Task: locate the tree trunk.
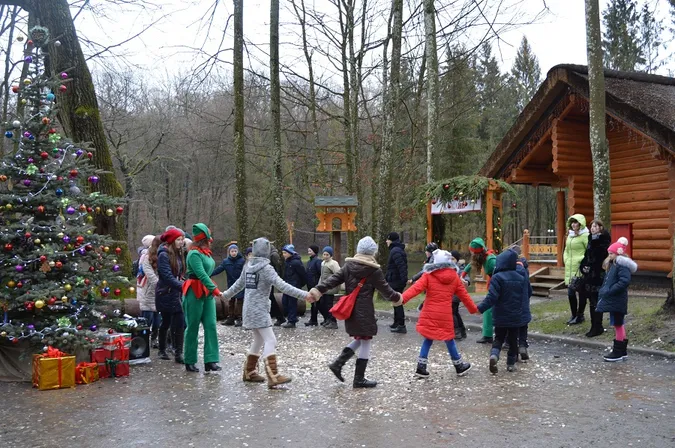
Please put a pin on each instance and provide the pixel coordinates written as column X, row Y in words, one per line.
column 432, row 82
column 383, row 217
column 240, row 197
column 598, row 137
column 279, row 224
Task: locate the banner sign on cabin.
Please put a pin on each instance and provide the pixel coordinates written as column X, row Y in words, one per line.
column 458, row 206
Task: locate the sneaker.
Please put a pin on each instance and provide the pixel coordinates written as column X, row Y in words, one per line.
column 331, row 325
column 462, row 368
column 400, row 329
column 422, row 371
column 522, row 351
column 493, row 364
column 511, row 368
column 279, row 322
column 288, row 325
column 311, row 323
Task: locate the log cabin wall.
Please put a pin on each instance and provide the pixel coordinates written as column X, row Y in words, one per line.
column 572, row 160
column 643, row 195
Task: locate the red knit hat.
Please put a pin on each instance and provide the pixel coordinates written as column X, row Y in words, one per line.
column 619, row 248
column 171, row 235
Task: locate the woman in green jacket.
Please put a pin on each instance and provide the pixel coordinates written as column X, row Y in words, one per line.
column 575, row 249
column 199, row 304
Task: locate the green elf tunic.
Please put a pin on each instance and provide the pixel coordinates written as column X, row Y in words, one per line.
column 199, row 304
column 478, row 246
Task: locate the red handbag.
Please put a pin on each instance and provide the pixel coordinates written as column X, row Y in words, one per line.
column 344, row 307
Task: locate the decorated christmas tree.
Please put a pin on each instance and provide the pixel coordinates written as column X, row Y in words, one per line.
column 54, row 267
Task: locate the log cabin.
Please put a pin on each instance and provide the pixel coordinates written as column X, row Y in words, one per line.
column 549, row 145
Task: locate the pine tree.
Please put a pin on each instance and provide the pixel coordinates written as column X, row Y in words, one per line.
column 622, row 35
column 526, row 74
column 53, row 267
column 650, row 39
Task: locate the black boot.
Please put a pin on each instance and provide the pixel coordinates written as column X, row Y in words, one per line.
column 360, row 380
column 337, row 365
column 153, row 338
column 422, row 371
column 618, row 352
column 191, row 368
column 460, row 334
column 596, row 324
column 485, row 340
column 211, row 367
column 162, row 343
column 178, row 347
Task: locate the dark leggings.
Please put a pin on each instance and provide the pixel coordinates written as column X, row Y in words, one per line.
column 572, row 297
column 459, row 323
column 175, row 321
column 325, row 304
column 511, row 336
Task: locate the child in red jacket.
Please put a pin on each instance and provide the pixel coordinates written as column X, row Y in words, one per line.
column 441, row 283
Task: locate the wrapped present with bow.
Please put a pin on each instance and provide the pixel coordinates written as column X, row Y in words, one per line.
column 86, row 373
column 53, row 369
column 113, row 358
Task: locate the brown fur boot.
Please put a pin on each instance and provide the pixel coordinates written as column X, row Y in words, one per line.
column 251, row 370
column 273, row 376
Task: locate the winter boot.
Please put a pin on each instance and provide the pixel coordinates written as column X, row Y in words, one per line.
column 617, row 353
column 624, row 349
column 401, row 329
column 212, row 367
column 494, row 359
column 178, row 348
column 522, row 351
column 274, row 378
column 331, row 325
column 511, row 363
column 191, row 368
column 511, row 368
column 422, row 371
column 231, row 313
column 460, row 334
column 485, row 340
column 250, row 374
column 360, row 380
column 162, row 344
column 163, row 355
column 238, row 308
column 279, row 322
column 596, row 324
column 461, row 367
column 337, row 365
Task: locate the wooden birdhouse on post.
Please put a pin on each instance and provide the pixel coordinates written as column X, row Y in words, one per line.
column 336, row 214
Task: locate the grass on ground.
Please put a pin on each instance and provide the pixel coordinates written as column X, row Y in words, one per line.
column 646, row 325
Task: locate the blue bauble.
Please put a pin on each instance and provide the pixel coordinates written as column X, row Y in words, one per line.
column 50, row 97
column 9, row 134
column 106, row 289
column 59, row 192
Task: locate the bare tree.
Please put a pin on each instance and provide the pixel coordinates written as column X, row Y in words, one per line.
column 240, row 152
column 432, row 81
column 275, row 109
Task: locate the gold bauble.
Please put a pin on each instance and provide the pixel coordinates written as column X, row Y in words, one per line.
column 114, row 260
column 11, row 284
column 64, row 299
column 132, row 289
column 39, row 304
column 37, row 241
column 109, row 212
column 3, row 334
column 104, row 283
column 89, row 232
column 8, row 206
column 98, row 209
column 106, row 249
column 60, row 235
column 68, row 287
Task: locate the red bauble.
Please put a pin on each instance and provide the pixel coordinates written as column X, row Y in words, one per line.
column 29, row 43
column 62, row 88
column 8, row 247
column 90, row 210
column 434, row 201
column 43, row 258
column 19, row 285
column 110, row 331
column 52, row 301
column 27, row 235
column 73, row 173
column 79, row 327
column 118, row 292
column 79, row 239
column 83, row 208
column 119, row 210
column 513, row 205
column 105, row 294
column 29, row 307
column 90, row 155
column 46, row 121
column 87, row 281
column 44, row 155
column 59, row 178
column 52, row 131
column 118, row 250
column 15, row 341
column 41, row 209
column 15, row 89
column 58, row 265
column 446, row 187
column 88, row 247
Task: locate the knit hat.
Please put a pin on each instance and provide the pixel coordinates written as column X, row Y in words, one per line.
column 201, row 231
column 441, row 256
column 314, row 249
column 393, row 236
column 261, row 247
column 328, row 249
column 171, row 235
column 247, row 251
column 431, row 247
column 619, row 248
column 477, row 246
column 289, row 248
column 147, row 240
column 456, row 255
column 367, row 246
column 232, row 246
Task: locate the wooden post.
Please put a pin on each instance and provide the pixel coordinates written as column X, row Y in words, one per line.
column 489, row 236
column 560, row 225
column 430, row 223
column 525, row 248
column 337, row 246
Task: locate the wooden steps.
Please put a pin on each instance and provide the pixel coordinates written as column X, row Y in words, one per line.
column 546, row 279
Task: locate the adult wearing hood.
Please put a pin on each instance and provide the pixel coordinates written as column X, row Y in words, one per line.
column 168, row 292
column 313, row 269
column 295, row 275
column 362, row 324
column 508, row 297
column 256, row 280
column 575, row 249
column 397, row 277
column 485, row 259
column 199, row 304
column 232, row 265
column 593, row 274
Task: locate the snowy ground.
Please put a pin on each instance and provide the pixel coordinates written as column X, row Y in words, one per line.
column 564, row 397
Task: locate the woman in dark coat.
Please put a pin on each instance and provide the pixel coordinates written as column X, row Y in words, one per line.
column 169, row 291
column 362, row 324
column 593, row 274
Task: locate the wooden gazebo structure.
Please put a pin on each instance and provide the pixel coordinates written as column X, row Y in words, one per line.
column 549, row 145
column 336, row 214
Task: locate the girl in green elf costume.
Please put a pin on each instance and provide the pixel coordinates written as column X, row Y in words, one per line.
column 199, row 305
column 483, row 258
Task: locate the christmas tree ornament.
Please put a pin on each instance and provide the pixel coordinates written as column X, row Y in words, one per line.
column 31, row 169
column 118, row 292
column 83, row 208
column 19, row 268
column 132, row 290
column 27, row 134
column 68, row 287
column 62, row 88
column 19, row 285
column 90, row 155
column 116, row 268
column 79, row 239
column 11, row 284
column 52, row 300
column 64, row 75
column 57, row 43
column 73, row 173
column 15, row 89
column 109, row 212
column 3, row 334
column 64, row 299
column 98, row 209
column 111, row 331
column 93, row 179
column 9, row 247
column 89, row 247
column 41, row 209
column 43, row 258
column 9, row 206
column 66, row 239
column 118, row 250
column 29, row 307
column 104, row 283
column 46, row 121
column 93, row 328
column 27, row 82
column 31, row 327
column 119, row 210
column 51, row 97
column 26, row 182
column 44, row 155
column 16, row 124
column 24, row 101
column 19, row 39
column 9, row 134
column 87, row 281
column 38, row 241
column 70, row 210
column 28, row 59
column 74, row 190
column 3, row 178
column 82, row 251
column 92, row 269
column 58, row 265
column 27, row 235
column 39, row 304
column 79, row 327
column 59, row 192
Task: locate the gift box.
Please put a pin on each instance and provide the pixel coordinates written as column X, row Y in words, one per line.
column 53, row 370
column 116, row 340
column 111, row 363
column 86, row 373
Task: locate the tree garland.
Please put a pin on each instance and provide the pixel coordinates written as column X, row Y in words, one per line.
column 458, row 188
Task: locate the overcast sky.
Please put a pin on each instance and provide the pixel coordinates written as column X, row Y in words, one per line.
column 558, row 37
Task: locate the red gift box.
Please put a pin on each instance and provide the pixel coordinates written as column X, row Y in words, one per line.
column 111, row 363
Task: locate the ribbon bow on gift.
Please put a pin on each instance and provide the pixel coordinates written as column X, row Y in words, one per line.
column 53, row 353
column 112, row 362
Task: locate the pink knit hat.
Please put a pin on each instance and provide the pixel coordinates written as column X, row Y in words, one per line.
column 619, row 247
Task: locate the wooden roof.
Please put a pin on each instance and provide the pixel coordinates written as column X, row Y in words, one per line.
column 642, row 101
column 335, row 201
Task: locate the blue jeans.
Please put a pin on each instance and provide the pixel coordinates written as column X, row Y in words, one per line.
column 290, row 308
column 153, row 319
column 451, row 345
